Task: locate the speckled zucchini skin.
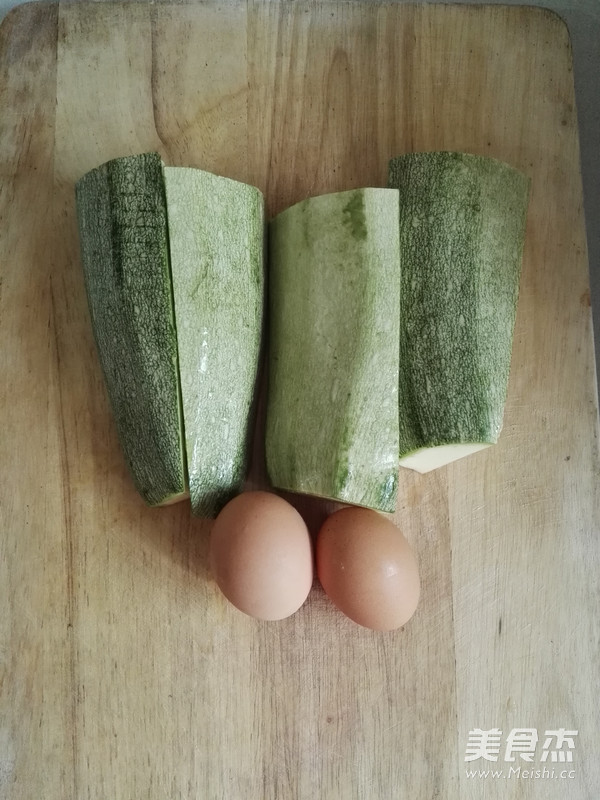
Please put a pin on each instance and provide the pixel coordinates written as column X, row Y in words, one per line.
column 332, row 411
column 216, row 234
column 122, row 219
column 462, row 225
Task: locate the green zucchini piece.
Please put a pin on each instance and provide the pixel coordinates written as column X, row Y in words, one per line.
column 332, row 408
column 462, row 227
column 123, row 236
column 216, row 233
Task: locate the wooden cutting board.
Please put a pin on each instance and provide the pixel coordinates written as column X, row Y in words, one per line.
column 123, row 672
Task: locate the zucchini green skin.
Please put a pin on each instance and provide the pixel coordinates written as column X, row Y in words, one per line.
column 216, row 233
column 332, row 408
column 462, row 226
column 122, row 221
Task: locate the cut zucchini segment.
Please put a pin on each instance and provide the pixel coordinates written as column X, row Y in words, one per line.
column 216, row 232
column 462, row 226
column 332, row 411
column 122, row 220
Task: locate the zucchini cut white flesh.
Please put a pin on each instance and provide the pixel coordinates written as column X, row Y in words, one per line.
column 429, row 458
column 462, row 227
column 332, row 409
column 216, row 232
column 123, row 236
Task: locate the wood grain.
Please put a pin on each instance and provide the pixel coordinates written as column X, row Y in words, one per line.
column 123, row 672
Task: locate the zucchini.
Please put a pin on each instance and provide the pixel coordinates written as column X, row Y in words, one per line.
column 216, row 232
column 122, row 221
column 332, row 405
column 462, row 227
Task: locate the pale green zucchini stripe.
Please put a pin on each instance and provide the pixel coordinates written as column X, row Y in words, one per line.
column 216, row 231
column 332, row 411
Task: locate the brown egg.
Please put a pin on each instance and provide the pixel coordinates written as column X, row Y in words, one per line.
column 367, row 568
column 261, row 555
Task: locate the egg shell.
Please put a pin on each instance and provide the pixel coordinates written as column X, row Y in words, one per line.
column 261, row 555
column 367, row 568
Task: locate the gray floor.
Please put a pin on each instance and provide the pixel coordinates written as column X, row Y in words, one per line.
column 583, row 20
